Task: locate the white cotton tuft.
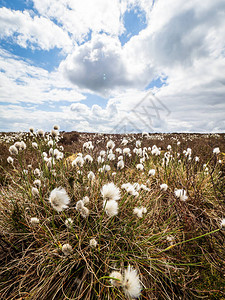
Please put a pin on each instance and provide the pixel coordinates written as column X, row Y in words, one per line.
column 10, row 160
column 222, row 224
column 91, row 176
column 84, row 212
column 69, row 223
column 79, row 204
column 216, row 150
column 78, row 162
column 110, row 192
column 93, row 243
column 88, row 158
column 163, row 187
column 131, row 283
column 35, row 145
column 126, row 151
column 151, row 172
column 117, row 278
column 37, row 172
column 35, row 192
column 59, row 199
column 111, row 207
column 37, row 183
column 110, row 144
column 139, row 211
column 34, row 221
column 13, row 150
column 182, row 194
column 140, row 167
column 120, row 164
column 67, row 249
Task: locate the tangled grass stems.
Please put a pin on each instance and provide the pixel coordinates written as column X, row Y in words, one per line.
column 44, row 257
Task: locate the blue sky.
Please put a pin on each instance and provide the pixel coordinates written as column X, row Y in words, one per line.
column 87, row 65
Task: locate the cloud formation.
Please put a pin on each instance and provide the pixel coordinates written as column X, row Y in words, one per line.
column 21, row 82
column 183, row 42
column 32, row 31
column 101, row 65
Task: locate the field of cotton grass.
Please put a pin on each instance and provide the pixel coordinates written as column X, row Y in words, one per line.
column 111, row 217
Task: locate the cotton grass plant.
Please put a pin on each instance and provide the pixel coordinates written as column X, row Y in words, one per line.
column 88, row 229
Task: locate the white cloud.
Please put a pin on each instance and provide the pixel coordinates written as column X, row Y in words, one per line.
column 183, row 41
column 101, row 65
column 35, row 32
column 22, row 82
column 80, row 16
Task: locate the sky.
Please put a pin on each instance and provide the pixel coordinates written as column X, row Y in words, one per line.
column 113, row 66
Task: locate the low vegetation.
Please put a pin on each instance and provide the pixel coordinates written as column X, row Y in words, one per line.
column 92, row 216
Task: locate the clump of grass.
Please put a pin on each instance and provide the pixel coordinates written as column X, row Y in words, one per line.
column 66, row 234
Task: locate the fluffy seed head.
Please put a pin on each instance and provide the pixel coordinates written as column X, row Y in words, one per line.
column 155, row 151
column 23, row 146
column 91, row 176
column 34, row 221
column 163, row 186
column 139, row 211
column 93, row 243
column 111, row 156
column 34, row 145
column 102, row 153
column 131, row 283
column 124, row 142
column 68, row 222
column 120, row 164
column 37, row 172
column 13, row 150
column 182, row 194
column 40, row 132
column 111, row 207
column 110, row 144
column 50, row 143
column 85, row 200
column 106, row 168
column 88, row 158
column 140, row 167
column 118, row 278
column 10, row 160
column 222, row 224
column 151, row 172
column 54, row 133
column 56, row 127
column 35, row 192
column 84, row 212
column 138, row 144
column 110, row 192
column 119, row 150
column 78, row 162
column 37, row 183
column 67, row 249
column 216, row 150
column 100, row 160
column 59, row 199
column 126, row 151
column 130, row 189
column 79, row 205
column 17, row 145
